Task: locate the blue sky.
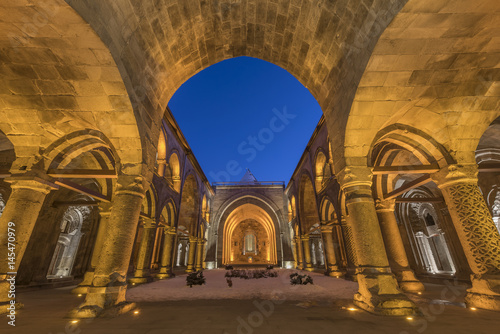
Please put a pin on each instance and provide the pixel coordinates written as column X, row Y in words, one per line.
column 246, row 113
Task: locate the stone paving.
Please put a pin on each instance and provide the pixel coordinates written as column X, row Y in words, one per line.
column 45, row 311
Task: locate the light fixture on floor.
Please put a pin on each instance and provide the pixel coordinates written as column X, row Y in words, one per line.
column 351, row 309
column 79, row 295
column 419, row 293
column 472, row 308
column 409, row 318
column 74, row 321
column 136, row 312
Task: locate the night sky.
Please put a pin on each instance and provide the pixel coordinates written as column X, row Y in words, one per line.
column 246, row 113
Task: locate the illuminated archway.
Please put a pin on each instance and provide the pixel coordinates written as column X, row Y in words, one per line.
column 249, row 218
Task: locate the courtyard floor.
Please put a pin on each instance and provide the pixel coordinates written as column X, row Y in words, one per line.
column 322, row 309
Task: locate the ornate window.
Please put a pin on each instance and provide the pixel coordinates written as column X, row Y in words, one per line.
column 250, row 243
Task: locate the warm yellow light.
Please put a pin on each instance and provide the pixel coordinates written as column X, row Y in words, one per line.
column 409, row 318
column 473, row 308
column 74, row 321
column 351, row 309
column 419, row 293
column 79, row 295
column 136, row 312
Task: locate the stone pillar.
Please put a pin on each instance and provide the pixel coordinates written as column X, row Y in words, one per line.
column 395, row 248
column 199, row 254
column 378, row 289
column 307, row 252
column 141, row 274
column 162, row 166
column 477, row 233
column 203, row 252
column 192, row 252
column 300, row 256
column 166, row 257
column 295, row 252
column 104, row 213
column 332, row 268
column 110, row 285
column 22, row 211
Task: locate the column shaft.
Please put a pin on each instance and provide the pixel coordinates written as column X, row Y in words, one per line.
column 378, row 288
column 141, row 274
column 18, row 218
column 166, row 257
column 307, row 252
column 477, row 233
column 105, row 211
column 199, row 254
column 192, row 254
column 109, row 285
column 331, row 260
column 395, row 248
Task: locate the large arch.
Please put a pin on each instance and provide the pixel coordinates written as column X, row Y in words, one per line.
column 435, row 63
column 234, row 211
column 56, row 81
column 308, row 209
column 159, row 46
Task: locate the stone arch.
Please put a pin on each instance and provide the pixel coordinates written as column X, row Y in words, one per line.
column 161, row 155
column 149, row 201
column 317, row 42
column 7, row 152
column 167, row 216
column 189, row 207
column 402, row 145
column 424, row 68
column 327, row 211
column 488, row 154
column 55, row 83
column 262, row 210
column 175, row 170
column 308, row 209
column 321, row 171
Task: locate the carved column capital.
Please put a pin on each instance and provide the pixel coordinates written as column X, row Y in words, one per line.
column 170, row 230
column 304, row 237
column 385, row 205
column 453, row 174
column 327, row 228
column 355, row 176
column 131, row 184
column 148, row 222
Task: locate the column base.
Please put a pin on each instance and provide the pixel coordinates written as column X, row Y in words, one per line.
column 198, row 268
column 484, row 294
column 378, row 294
column 190, row 269
column 164, row 275
column 408, row 282
column 139, row 280
column 336, row 274
column 309, row 268
column 103, row 301
column 93, row 311
column 7, row 307
column 81, row 290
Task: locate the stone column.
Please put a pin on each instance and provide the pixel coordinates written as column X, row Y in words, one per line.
column 141, row 274
column 192, row 252
column 109, row 285
column 300, row 256
column 166, row 257
column 395, row 248
column 162, row 166
column 104, row 213
column 21, row 211
column 378, row 289
column 203, row 252
column 307, row 252
column 199, row 254
column 477, row 233
column 331, row 260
